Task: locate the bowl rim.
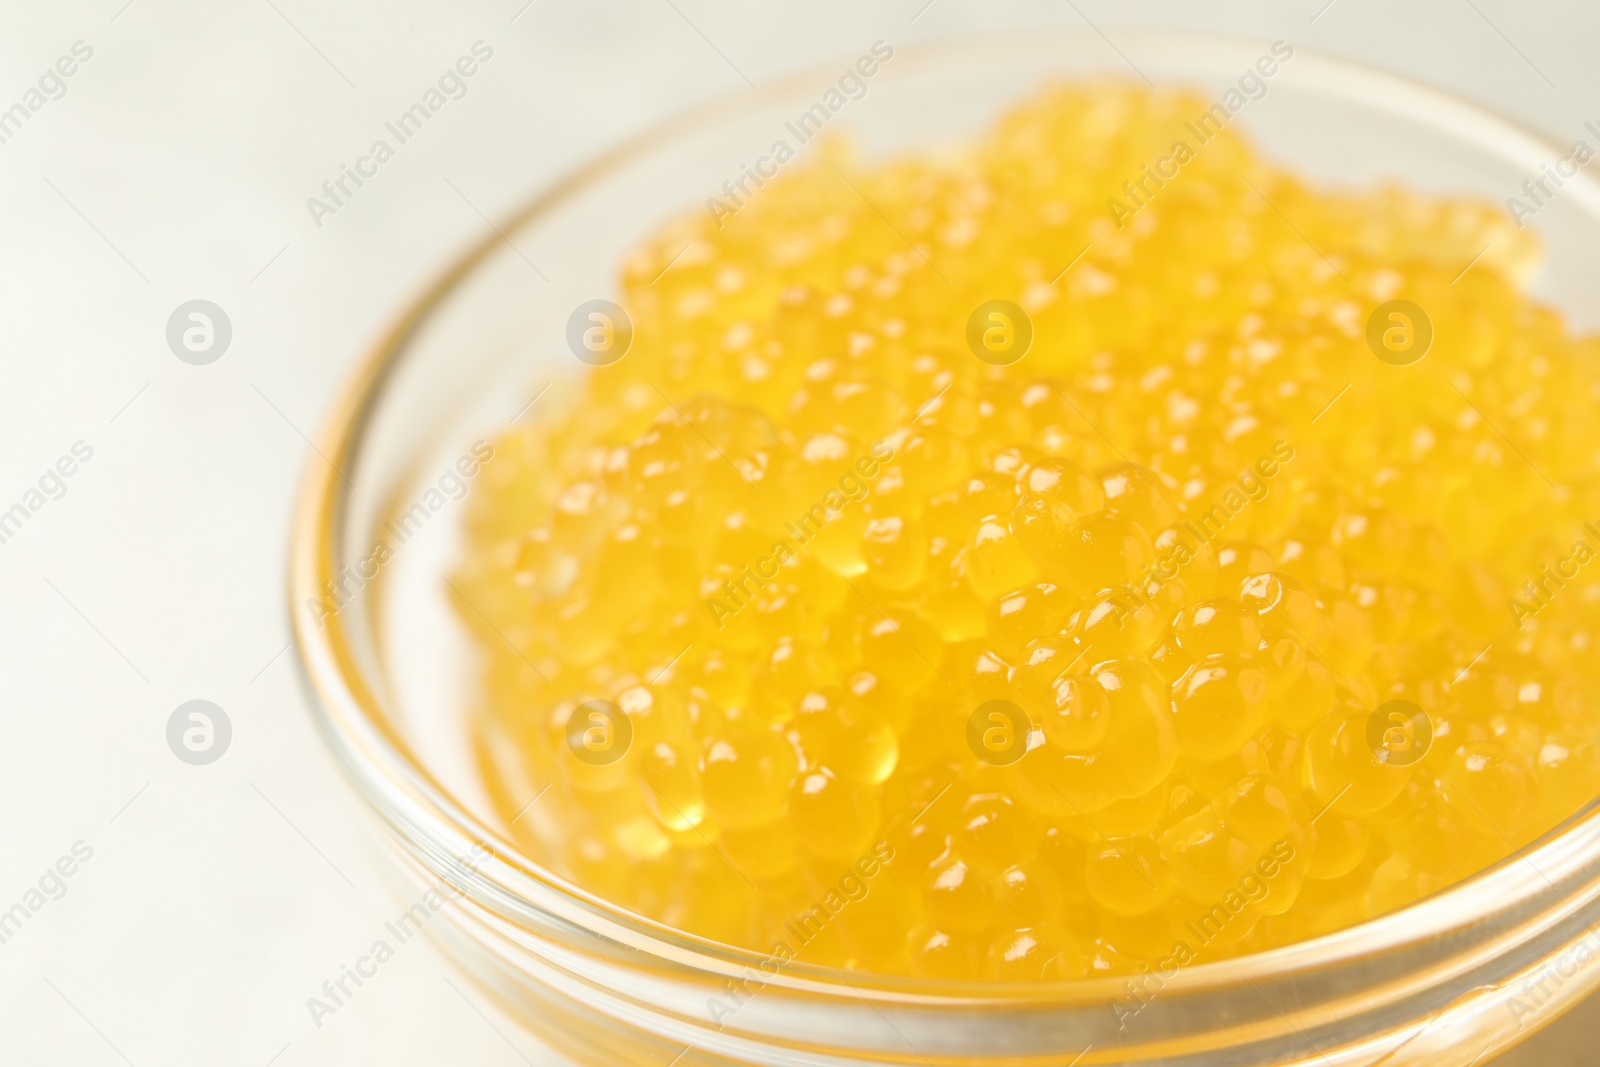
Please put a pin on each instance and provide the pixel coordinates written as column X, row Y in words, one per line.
column 378, row 761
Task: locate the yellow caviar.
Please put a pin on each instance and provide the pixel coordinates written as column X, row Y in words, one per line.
column 1197, row 630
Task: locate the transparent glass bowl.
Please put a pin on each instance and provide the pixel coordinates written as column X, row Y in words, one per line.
column 392, row 680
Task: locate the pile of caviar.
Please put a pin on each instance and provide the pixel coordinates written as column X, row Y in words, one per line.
column 1083, row 664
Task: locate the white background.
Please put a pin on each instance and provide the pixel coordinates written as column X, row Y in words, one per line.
column 177, row 166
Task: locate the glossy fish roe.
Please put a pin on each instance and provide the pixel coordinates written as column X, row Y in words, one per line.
column 1196, row 630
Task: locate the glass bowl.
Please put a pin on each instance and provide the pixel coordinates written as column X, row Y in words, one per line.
column 1445, row 982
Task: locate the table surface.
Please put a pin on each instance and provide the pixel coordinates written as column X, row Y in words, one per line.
column 175, row 164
